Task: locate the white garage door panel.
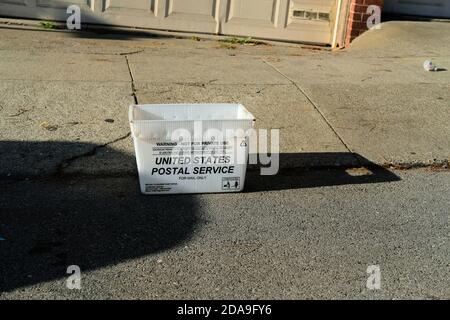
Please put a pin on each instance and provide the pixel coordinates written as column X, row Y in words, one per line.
column 127, row 5
column 246, row 15
column 296, row 20
column 263, row 10
column 18, row 2
column 432, row 8
column 312, row 18
column 63, row 4
column 279, row 19
column 127, row 10
column 195, row 7
column 192, row 15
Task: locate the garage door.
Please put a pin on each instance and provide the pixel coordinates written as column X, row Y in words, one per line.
column 309, row 20
column 293, row 20
column 431, row 8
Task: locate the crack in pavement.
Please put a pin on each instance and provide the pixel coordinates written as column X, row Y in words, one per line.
column 316, row 107
column 438, row 165
column 133, row 87
column 100, row 53
column 20, row 112
column 93, row 151
column 67, row 162
column 131, row 52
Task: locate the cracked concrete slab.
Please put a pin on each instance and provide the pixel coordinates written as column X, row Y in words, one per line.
column 302, row 129
column 183, row 67
column 387, row 56
column 45, row 123
column 51, row 66
column 388, row 111
column 342, row 67
column 396, row 125
column 304, row 143
column 384, row 106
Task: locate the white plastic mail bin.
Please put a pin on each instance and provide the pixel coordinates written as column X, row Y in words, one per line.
column 191, row 148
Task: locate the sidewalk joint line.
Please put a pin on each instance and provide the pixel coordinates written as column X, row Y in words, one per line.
column 312, row 102
column 130, row 53
column 133, row 87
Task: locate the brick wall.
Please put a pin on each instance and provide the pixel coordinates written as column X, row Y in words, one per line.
column 357, row 22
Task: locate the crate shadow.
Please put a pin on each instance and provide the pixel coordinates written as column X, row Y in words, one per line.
column 50, row 221
column 330, row 169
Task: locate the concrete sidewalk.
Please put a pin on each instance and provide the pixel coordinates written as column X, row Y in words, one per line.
column 64, row 96
column 73, row 197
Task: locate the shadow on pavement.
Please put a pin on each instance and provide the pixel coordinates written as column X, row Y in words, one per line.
column 95, row 221
column 92, row 26
column 100, row 32
column 330, row 170
column 49, row 224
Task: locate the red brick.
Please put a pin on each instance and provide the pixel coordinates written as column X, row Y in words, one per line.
column 358, row 8
column 361, row 25
column 357, row 19
column 355, row 16
column 354, row 32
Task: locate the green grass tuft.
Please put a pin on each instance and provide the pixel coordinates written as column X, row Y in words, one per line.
column 47, row 25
